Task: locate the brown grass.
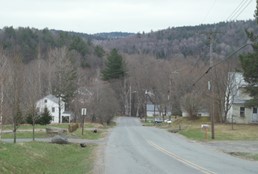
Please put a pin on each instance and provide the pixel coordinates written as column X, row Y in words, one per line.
column 192, row 129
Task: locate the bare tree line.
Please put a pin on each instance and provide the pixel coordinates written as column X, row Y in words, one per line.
column 22, row 85
column 170, row 82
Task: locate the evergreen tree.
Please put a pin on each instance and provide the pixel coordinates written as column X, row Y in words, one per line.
column 249, row 64
column 45, row 118
column 114, row 66
column 42, row 119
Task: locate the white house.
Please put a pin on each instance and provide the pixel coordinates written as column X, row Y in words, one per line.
column 235, row 101
column 51, row 103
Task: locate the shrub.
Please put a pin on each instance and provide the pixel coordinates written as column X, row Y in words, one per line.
column 73, row 127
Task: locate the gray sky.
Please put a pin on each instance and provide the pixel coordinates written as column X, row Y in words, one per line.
column 93, row 16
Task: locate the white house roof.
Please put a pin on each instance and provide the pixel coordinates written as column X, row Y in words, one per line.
column 52, row 98
column 238, row 79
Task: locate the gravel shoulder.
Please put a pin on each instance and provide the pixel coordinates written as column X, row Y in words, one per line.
column 99, row 163
column 235, row 146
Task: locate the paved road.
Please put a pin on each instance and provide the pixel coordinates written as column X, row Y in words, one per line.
column 134, row 149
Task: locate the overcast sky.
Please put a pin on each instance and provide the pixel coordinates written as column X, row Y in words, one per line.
column 93, row 16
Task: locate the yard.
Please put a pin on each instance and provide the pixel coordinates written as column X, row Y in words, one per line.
column 25, row 131
column 192, row 129
column 42, row 157
column 37, row 157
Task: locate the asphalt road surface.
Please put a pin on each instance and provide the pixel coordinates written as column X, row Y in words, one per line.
column 134, row 149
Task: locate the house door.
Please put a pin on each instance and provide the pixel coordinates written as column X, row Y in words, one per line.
column 255, row 115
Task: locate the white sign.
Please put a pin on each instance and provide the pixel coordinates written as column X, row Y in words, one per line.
column 84, row 111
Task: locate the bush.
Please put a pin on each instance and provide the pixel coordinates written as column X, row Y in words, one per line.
column 42, row 119
column 73, row 127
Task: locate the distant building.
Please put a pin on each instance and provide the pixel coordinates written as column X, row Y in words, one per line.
column 237, row 97
column 152, row 110
column 155, row 110
column 201, row 113
column 51, row 102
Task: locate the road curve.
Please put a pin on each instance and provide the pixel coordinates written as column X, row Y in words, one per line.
column 134, row 149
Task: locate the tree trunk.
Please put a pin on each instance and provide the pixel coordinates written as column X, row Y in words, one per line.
column 33, row 127
column 1, row 109
column 14, row 133
column 83, row 124
column 59, row 109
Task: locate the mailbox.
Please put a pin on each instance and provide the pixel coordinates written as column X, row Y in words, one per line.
column 205, row 126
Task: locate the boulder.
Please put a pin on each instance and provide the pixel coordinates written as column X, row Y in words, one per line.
column 83, row 144
column 59, row 140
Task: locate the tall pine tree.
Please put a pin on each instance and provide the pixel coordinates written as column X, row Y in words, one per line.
column 114, row 67
column 249, row 64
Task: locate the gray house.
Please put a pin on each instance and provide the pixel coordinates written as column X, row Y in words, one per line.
column 236, row 98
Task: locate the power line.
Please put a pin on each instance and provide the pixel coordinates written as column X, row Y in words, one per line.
column 236, row 9
column 209, row 69
column 239, row 10
column 208, row 12
column 234, row 15
column 243, row 9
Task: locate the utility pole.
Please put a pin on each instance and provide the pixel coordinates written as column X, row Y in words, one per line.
column 211, row 86
column 130, row 98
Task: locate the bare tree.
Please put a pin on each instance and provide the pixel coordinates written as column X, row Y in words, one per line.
column 3, row 77
column 15, row 93
column 231, row 92
column 33, row 91
column 103, row 105
column 65, row 76
column 192, row 103
column 223, row 88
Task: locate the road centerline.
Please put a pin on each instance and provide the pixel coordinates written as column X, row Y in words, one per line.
column 180, row 159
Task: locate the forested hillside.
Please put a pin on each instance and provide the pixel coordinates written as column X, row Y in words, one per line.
column 31, row 43
column 188, row 41
column 36, row 62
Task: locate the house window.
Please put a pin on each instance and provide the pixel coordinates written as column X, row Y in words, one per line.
column 242, row 111
column 53, row 109
column 255, row 110
column 37, row 109
column 45, row 100
column 53, row 118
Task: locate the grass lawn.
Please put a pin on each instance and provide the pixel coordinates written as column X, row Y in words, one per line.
column 61, row 125
column 37, row 157
column 88, row 134
column 26, row 135
column 192, row 129
column 47, row 158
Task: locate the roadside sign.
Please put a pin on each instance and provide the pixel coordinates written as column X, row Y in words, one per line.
column 84, row 111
